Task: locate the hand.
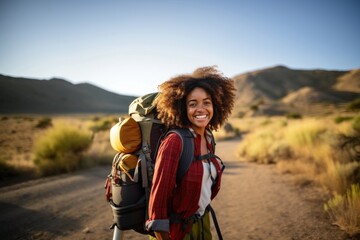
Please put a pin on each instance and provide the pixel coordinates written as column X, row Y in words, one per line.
column 162, row 235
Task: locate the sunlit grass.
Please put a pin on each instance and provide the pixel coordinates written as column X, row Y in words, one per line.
column 312, row 150
column 344, row 210
column 60, row 149
column 306, row 146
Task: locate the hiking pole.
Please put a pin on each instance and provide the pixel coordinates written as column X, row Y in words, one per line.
column 118, row 234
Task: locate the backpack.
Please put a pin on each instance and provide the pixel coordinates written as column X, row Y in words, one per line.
column 136, row 139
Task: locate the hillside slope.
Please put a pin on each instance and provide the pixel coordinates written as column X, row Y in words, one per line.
column 275, row 90
column 280, row 89
column 22, row 95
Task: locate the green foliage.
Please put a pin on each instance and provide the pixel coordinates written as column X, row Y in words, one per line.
column 240, row 114
column 341, row 119
column 60, row 150
column 44, row 123
column 344, row 210
column 102, row 124
column 254, row 107
column 354, row 105
column 351, row 142
column 356, row 123
column 292, row 115
column 228, row 128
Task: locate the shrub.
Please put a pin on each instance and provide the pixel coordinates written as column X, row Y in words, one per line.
column 254, row 107
column 60, row 150
column 351, row 142
column 44, row 123
column 292, row 115
column 344, row 210
column 341, row 119
column 102, row 125
column 305, row 133
column 356, row 123
column 228, row 128
column 306, row 147
column 6, row 170
column 256, row 146
column 354, row 105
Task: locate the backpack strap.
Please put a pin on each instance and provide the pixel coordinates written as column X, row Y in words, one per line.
column 186, row 158
column 187, row 151
column 217, row 227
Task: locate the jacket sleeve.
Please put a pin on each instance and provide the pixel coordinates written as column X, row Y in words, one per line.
column 164, row 182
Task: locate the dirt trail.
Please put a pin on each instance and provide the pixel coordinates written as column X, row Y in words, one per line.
column 254, row 203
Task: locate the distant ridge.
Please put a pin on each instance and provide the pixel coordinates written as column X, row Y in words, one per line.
column 271, row 91
column 278, row 90
column 56, row 96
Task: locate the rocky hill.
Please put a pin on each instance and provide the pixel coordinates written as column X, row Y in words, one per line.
column 280, row 90
column 57, row 96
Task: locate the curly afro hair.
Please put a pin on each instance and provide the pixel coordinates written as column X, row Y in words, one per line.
column 171, row 103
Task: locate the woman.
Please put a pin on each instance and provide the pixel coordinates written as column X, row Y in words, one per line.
column 202, row 102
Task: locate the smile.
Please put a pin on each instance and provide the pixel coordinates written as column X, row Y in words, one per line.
column 201, row 116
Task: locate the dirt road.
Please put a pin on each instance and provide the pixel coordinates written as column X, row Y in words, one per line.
column 255, row 202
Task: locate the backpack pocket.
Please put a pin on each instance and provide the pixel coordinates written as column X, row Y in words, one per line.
column 128, row 164
column 125, row 136
column 130, row 216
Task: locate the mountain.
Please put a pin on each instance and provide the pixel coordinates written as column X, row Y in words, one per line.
column 23, row 95
column 271, row 91
column 279, row 90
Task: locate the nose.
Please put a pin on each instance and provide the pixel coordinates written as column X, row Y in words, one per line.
column 201, row 107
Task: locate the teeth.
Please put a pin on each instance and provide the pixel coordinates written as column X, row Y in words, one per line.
column 201, row 117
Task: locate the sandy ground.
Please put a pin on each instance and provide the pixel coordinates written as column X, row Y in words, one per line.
column 255, row 202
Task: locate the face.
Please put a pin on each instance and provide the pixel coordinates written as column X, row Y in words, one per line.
column 199, row 109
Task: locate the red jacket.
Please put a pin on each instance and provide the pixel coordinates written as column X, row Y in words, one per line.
column 166, row 197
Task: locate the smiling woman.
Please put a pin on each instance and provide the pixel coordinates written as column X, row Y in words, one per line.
column 199, row 109
column 197, row 102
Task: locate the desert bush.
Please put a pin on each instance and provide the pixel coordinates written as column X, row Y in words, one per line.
column 254, row 107
column 312, row 149
column 309, row 147
column 354, row 105
column 292, row 115
column 256, row 146
column 305, row 133
column 344, row 210
column 350, row 142
column 228, row 128
column 338, row 176
column 44, row 123
column 6, row 170
column 356, row 123
column 60, row 149
column 103, row 124
column 341, row 119
column 226, row 132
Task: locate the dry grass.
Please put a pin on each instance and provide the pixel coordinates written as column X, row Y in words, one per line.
column 60, row 149
column 309, row 148
column 227, row 131
column 19, row 133
column 344, row 210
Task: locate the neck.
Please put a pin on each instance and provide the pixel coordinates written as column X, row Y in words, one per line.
column 201, row 131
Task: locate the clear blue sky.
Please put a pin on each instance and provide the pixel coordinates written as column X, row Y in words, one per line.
column 131, row 46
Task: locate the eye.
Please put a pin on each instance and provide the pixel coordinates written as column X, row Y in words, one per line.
column 191, row 104
column 207, row 103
